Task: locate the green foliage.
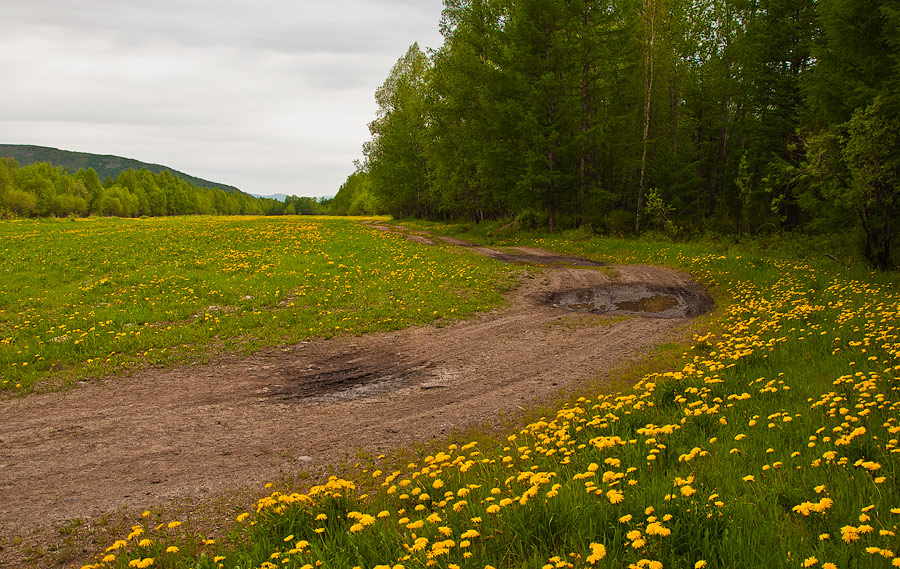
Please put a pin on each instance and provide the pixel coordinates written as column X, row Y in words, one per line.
column 355, row 197
column 44, row 190
column 396, row 168
column 576, row 108
column 872, row 154
column 294, row 205
column 853, row 145
column 659, row 213
column 531, row 219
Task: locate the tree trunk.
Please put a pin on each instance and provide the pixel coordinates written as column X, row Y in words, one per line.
column 648, row 91
column 585, row 124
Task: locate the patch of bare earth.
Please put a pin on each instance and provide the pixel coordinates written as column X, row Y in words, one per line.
column 166, row 434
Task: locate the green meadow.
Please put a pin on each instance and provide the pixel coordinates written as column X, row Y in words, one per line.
column 770, row 440
column 88, row 298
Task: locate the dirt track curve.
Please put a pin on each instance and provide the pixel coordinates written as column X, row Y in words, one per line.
column 164, row 434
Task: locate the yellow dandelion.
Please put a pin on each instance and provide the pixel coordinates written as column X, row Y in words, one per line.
column 598, row 552
column 657, row 528
column 614, row 496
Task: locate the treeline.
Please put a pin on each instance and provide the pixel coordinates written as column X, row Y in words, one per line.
column 355, row 197
column 742, row 116
column 43, row 190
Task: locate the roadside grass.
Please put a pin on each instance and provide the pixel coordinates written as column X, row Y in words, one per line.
column 92, row 297
column 772, row 440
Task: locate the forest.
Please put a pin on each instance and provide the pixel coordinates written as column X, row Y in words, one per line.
column 695, row 117
column 42, row 190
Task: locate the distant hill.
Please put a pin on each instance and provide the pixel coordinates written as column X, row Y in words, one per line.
column 279, row 197
column 104, row 164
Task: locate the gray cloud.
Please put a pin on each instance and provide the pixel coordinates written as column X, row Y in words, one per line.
column 271, row 96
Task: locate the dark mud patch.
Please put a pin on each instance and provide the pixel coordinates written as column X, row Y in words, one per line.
column 647, row 300
column 349, row 376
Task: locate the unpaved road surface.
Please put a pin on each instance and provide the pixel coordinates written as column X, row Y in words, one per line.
column 165, row 434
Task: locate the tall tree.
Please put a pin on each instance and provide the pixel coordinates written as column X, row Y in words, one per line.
column 776, row 56
column 650, row 16
column 854, row 94
column 540, row 81
column 469, row 168
column 395, row 157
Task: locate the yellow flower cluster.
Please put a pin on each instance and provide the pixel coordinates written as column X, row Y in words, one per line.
column 778, row 429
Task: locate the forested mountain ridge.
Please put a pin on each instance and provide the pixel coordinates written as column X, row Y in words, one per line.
column 43, row 189
column 105, row 165
column 688, row 116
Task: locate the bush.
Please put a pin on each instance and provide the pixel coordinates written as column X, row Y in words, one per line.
column 582, row 233
column 20, row 202
column 531, row 219
column 619, row 222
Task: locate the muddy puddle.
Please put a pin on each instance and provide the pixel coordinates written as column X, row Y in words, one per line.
column 365, row 373
column 646, row 300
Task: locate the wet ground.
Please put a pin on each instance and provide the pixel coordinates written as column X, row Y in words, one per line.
column 648, row 300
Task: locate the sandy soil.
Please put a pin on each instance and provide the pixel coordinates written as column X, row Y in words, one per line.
column 165, row 434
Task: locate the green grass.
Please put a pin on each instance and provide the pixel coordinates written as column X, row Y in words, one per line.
column 771, row 441
column 82, row 299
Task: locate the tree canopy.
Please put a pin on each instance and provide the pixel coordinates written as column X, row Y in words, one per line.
column 737, row 117
column 42, row 189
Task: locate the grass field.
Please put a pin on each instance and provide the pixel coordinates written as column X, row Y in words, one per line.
column 773, row 442
column 86, row 298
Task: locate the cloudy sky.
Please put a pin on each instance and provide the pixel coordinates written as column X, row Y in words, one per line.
column 271, row 96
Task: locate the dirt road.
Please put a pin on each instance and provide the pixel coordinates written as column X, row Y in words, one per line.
column 164, row 434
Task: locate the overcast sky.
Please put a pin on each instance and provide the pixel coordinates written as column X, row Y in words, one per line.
column 271, row 96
